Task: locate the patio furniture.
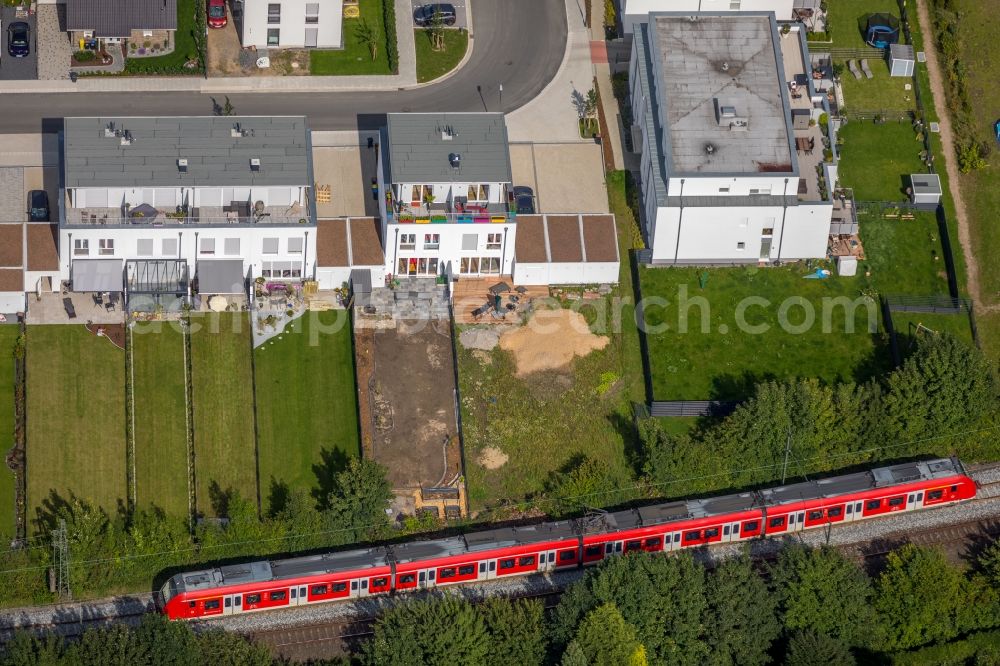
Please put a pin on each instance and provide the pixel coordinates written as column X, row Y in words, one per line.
column 68, row 306
column 866, row 69
column 114, row 298
column 109, row 306
column 499, row 288
column 853, row 68
column 144, row 212
column 480, row 311
column 98, row 300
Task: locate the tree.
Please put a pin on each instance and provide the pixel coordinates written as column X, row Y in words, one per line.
column 582, row 482
column 741, row 622
column 944, row 387
column 921, row 598
column 227, row 108
column 989, row 563
column 808, row 648
column 361, row 495
column 606, row 639
column 435, row 31
column 818, row 589
column 367, row 34
column 443, row 630
column 517, row 631
column 677, row 463
column 590, row 104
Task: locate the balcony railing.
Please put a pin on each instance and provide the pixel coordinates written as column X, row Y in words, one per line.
column 204, row 216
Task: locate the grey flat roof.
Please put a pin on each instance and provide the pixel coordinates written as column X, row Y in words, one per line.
column 901, row 52
column 419, row 154
column 220, row 276
column 97, row 275
column 707, row 62
column 95, row 157
column 118, row 18
column 926, row 183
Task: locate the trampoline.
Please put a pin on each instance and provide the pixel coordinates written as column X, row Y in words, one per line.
column 881, row 30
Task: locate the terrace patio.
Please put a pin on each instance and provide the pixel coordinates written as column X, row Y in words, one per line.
column 86, row 308
column 235, row 213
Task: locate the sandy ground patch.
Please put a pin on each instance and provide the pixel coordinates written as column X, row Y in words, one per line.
column 492, row 458
column 550, row 341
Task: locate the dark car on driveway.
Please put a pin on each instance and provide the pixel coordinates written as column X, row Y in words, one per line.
column 524, row 200
column 38, row 206
column 424, row 16
column 19, row 40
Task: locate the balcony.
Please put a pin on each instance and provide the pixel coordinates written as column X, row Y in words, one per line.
column 237, row 213
column 446, row 213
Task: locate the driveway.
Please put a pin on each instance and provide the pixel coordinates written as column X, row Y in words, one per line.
column 54, row 47
column 461, row 15
column 17, row 68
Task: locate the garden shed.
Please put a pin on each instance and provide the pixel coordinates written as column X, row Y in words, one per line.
column 902, row 60
column 925, row 188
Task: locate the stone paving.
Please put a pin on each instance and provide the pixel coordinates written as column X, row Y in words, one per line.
column 54, row 48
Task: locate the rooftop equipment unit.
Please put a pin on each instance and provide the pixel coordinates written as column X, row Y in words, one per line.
column 182, row 165
column 455, row 160
column 255, row 164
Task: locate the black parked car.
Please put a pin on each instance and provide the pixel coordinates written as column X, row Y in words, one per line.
column 38, row 206
column 19, row 39
column 524, row 200
column 424, row 15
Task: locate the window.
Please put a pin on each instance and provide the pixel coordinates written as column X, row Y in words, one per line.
column 270, row 246
column 760, row 190
column 897, row 501
column 432, row 241
column 935, row 494
column 253, row 598
column 295, row 246
column 207, row 246
column 750, row 526
column 490, row 266
column 692, row 536
column 447, row 573
column 380, row 582
column 711, row 532
column 741, row 245
column 293, row 593
column 106, row 246
column 232, row 246
column 850, row 508
column 212, row 605
column 147, row 33
column 791, row 519
column 273, row 15
column 168, row 247
column 776, row 522
column 954, row 489
column 466, row 569
column 407, row 241
column 406, row 578
column 144, row 246
column 507, row 564
column 229, row 602
column 526, row 561
column 652, row 542
column 767, row 231
column 312, row 12
column 318, row 589
column 567, row 556
column 273, row 37
column 470, row 242
column 81, row 247
column 339, row 587
column 734, row 5
column 591, row 551
column 815, row 515
column 873, row 504
column 833, row 512
column 493, row 241
column 632, row 545
column 723, row 190
column 278, row 596
column 677, row 538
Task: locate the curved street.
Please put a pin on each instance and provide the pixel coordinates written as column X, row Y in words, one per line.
column 519, row 43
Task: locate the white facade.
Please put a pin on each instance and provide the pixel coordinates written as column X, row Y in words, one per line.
column 566, row 273
column 288, row 249
column 451, row 249
column 636, row 11
column 292, row 23
column 12, row 301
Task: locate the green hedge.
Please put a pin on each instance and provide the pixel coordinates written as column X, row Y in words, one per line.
column 391, row 48
column 975, row 649
column 818, row 36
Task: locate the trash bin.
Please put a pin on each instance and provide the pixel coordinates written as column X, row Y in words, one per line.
column 73, row 77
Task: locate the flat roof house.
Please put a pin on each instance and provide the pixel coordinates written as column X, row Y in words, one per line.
column 727, row 176
column 113, row 22
column 636, row 11
column 229, row 196
column 290, row 24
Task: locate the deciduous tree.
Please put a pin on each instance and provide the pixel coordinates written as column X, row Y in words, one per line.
column 606, row 639
column 431, row 632
column 517, row 631
column 741, row 622
column 361, row 495
column 808, row 648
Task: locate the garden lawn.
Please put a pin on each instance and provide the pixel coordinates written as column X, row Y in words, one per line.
column 880, row 93
column 724, row 362
column 877, row 160
column 906, row 324
column 8, row 338
column 76, row 418
column 843, row 18
column 904, row 256
column 161, row 418
column 430, row 63
column 355, row 57
column 224, row 447
column 306, row 400
column 185, row 47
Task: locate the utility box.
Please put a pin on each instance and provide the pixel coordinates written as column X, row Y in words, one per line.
column 901, row 60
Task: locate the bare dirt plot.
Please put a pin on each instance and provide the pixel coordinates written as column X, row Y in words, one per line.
column 550, row 341
column 411, row 403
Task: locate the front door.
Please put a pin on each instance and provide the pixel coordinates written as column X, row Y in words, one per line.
column 312, row 37
column 765, row 248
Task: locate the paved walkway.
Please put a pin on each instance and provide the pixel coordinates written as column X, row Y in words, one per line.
column 54, row 48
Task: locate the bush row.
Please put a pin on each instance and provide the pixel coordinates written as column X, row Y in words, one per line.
column 391, row 47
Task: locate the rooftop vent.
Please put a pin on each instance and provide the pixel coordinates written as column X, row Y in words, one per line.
column 182, row 165
column 447, row 133
column 255, row 164
column 109, row 131
column 455, row 160
column 727, row 115
column 710, row 148
column 126, row 137
column 724, row 67
column 238, row 131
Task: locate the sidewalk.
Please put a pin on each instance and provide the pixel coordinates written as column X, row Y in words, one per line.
column 407, row 77
column 552, row 116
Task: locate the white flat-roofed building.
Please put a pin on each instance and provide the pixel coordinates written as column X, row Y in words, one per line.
column 198, row 189
column 636, row 11
column 720, row 165
column 291, row 24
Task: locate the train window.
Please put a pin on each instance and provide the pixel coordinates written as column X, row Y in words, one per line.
column 609, row 548
column 776, row 522
column 791, row 519
column 422, row 574
column 493, row 566
column 278, row 596
column 239, row 600
column 507, row 564
column 430, row 575
column 526, row 561
column 354, row 585
column 850, row 508
column 192, row 604
column 364, row 586
column 293, row 592
column 711, row 532
column 318, row 589
column 935, row 494
column 873, row 504
column 380, row 582
column 253, row 598
column 482, row 567
column 750, row 526
column 677, row 537
column 229, row 602
column 447, row 573
column 592, row 551
column 567, row 556
column 909, row 499
column 302, row 591
column 212, row 605
column 954, row 489
column 896, row 501
column 691, row 536
column 815, row 515
column 466, row 569
column 652, row 542
column 920, row 496
column 552, row 557
column 736, row 528
column 833, row 512
column 339, row 587
column 406, row 578
column 632, row 545
column 725, row 530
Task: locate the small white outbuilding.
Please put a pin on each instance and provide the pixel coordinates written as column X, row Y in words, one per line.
column 901, row 60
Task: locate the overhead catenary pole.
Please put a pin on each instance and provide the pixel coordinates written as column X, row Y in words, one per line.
column 788, row 449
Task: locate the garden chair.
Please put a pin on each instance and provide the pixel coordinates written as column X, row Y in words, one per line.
column 853, row 68
column 866, row 69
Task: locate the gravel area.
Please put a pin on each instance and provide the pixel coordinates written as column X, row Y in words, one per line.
column 54, row 46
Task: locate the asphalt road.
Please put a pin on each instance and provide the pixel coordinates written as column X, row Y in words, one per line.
column 517, row 42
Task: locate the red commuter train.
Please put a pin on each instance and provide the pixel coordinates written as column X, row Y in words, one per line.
column 518, row 551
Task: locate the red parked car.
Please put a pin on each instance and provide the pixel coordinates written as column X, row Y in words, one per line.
column 217, row 14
